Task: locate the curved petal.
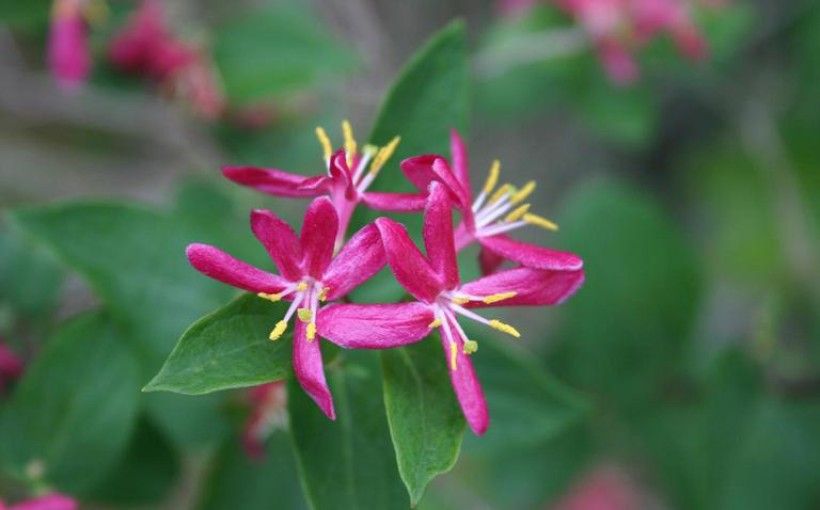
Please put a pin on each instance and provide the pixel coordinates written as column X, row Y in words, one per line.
column 409, row 266
column 394, row 202
column 361, row 258
column 467, row 386
column 533, row 287
column 279, row 240
column 419, row 170
column 530, row 255
column 444, row 174
column 461, row 160
column 310, row 370
column 317, row 184
column 270, row 181
column 218, row 265
column 375, row 326
column 319, row 231
column 438, row 235
column 489, row 261
column 342, row 175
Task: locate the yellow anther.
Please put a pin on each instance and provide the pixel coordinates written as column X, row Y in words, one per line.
column 506, row 328
column 540, row 221
column 453, row 356
column 470, row 346
column 500, row 192
column 311, row 331
column 460, row 300
column 324, row 141
column 305, row 315
column 370, row 150
column 350, row 142
column 523, row 193
column 492, row 177
column 383, row 155
column 301, row 286
column 270, row 297
column 517, row 213
column 501, row 296
column 323, row 294
column 278, row 330
column 436, row 323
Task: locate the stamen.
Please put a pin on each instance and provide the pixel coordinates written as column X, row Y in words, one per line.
column 506, row 328
column 470, row 346
column 492, row 177
column 270, row 297
column 453, row 356
column 305, row 315
column 500, row 192
column 323, row 294
column 523, row 193
column 324, row 141
column 460, row 300
column 501, row 296
column 367, row 154
column 278, row 330
column 350, row 142
column 311, row 331
column 383, row 155
column 540, row 221
column 517, row 213
column 302, row 286
column 436, row 323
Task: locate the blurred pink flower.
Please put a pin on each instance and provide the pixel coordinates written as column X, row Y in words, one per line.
column 607, row 487
column 268, row 412
column 69, row 56
column 52, row 501
column 11, row 366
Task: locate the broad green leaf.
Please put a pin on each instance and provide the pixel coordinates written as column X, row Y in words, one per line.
column 237, row 481
column 30, row 14
column 74, row 410
column 346, row 464
column 425, row 421
column 227, row 349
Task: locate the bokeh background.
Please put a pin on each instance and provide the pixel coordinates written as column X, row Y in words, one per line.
column 693, row 195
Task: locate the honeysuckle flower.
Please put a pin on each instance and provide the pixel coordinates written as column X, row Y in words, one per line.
column 147, row 47
column 488, row 217
column 309, row 274
column 11, row 366
column 350, row 172
column 52, row 501
column 268, row 412
column 441, row 300
column 69, row 57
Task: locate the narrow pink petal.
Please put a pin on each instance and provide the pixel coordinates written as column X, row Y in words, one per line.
column 218, row 265
column 534, row 287
column 375, row 326
column 461, row 160
column 438, row 235
column 409, row 266
column 445, row 175
column 467, row 387
column 272, row 181
column 50, row 502
column 280, row 241
column 341, row 174
column 69, row 57
column 318, row 184
column 419, row 170
column 309, row 369
column 361, row 257
column 530, row 255
column 489, row 261
column 394, row 202
column 319, row 231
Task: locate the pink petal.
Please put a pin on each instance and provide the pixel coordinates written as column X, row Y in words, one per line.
column 489, row 261
column 319, row 231
column 361, row 257
column 218, row 265
column 467, row 387
column 534, row 286
column 271, row 181
column 341, row 174
column 409, row 266
column 280, row 241
column 618, row 63
column 461, row 160
column 309, row 369
column 69, row 57
column 11, row 365
column 530, row 255
column 375, row 326
column 49, row 502
column 394, row 202
column 438, row 235
column 422, row 170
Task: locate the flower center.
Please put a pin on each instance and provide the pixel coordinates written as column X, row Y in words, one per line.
column 497, row 210
column 307, row 294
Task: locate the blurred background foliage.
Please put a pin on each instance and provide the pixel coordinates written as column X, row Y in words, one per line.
column 693, row 195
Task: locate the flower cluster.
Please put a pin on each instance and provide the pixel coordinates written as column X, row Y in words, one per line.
column 319, row 267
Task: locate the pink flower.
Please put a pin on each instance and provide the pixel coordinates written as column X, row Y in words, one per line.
column 487, row 218
column 346, row 180
column 309, row 274
column 11, row 366
column 607, row 487
column 52, row 501
column 440, row 299
column 268, row 412
column 69, row 57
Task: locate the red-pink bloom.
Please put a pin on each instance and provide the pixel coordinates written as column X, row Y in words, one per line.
column 268, row 412
column 69, row 57
column 11, row 366
column 309, row 274
column 52, row 501
column 494, row 212
column 349, row 173
column 441, row 298
column 607, row 487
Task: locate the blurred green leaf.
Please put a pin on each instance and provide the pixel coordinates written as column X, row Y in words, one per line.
column 74, row 410
column 348, row 463
column 227, row 349
column 30, row 277
column 425, row 421
column 27, row 14
column 238, row 481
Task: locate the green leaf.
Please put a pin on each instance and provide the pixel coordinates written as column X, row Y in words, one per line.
column 227, row 349
column 347, row 464
column 425, row 421
column 31, row 14
column 74, row 409
column 238, row 481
